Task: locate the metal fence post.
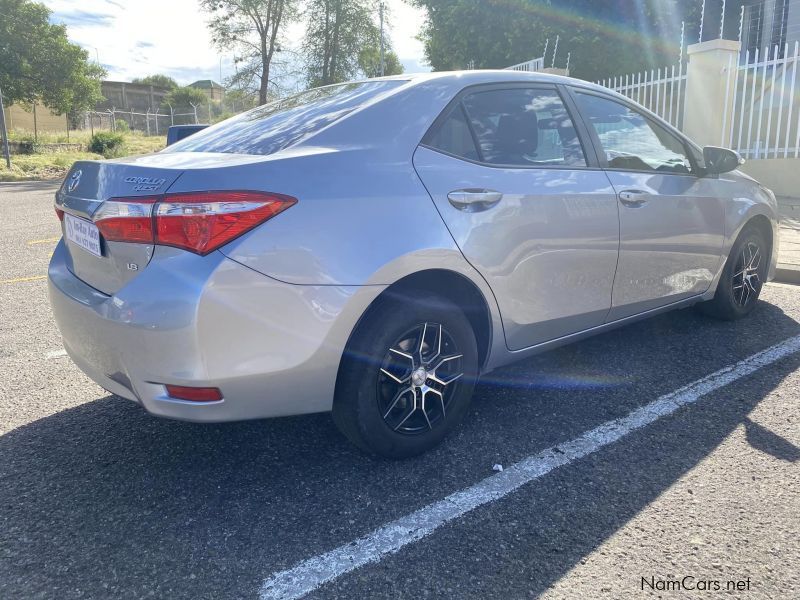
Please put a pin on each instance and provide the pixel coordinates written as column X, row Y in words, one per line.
column 555, row 51
column 4, row 132
column 157, row 115
column 147, row 121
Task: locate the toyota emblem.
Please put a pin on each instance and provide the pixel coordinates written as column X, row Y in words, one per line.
column 74, row 181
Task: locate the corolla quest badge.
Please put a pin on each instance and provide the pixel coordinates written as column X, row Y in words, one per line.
column 145, row 184
column 72, row 185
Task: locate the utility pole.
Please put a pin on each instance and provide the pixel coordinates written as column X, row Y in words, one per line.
column 4, row 131
column 383, row 62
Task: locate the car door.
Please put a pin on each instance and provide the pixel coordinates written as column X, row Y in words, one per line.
column 672, row 219
column 530, row 211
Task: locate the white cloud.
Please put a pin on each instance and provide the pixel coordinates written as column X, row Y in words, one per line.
column 406, row 21
column 134, row 38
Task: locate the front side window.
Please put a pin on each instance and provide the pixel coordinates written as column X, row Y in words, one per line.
column 631, row 141
column 517, row 127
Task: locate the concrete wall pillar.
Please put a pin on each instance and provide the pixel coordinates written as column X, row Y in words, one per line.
column 555, row 71
column 711, row 75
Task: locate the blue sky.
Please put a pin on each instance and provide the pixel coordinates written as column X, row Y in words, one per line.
column 134, row 38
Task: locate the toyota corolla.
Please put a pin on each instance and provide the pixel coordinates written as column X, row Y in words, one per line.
column 373, row 248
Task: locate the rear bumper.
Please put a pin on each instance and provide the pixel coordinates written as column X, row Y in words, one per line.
column 272, row 348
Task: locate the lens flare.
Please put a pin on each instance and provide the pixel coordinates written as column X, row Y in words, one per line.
column 566, row 380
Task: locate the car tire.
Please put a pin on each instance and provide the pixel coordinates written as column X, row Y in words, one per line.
column 742, row 278
column 407, row 376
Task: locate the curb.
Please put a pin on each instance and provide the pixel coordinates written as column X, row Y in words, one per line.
column 787, row 274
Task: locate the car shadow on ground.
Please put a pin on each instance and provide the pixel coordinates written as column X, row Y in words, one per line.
column 523, row 545
column 763, row 439
column 104, row 500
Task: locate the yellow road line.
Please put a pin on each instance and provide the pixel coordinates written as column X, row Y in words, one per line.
column 22, row 279
column 54, row 239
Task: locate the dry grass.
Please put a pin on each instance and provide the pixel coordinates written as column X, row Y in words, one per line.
column 137, row 143
column 42, row 166
column 54, row 165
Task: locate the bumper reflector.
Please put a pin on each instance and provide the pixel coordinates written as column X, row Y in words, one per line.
column 194, row 394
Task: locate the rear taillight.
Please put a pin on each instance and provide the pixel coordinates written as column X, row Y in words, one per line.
column 126, row 220
column 199, row 222
column 202, row 222
column 59, row 214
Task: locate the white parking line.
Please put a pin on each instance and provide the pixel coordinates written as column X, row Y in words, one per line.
column 314, row 572
column 55, row 354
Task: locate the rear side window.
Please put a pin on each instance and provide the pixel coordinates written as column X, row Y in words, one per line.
column 513, row 127
column 280, row 124
column 454, row 136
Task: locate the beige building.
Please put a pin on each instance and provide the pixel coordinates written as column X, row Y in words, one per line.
column 137, row 97
column 212, row 89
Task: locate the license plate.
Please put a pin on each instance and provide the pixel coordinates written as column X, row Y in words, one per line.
column 83, row 233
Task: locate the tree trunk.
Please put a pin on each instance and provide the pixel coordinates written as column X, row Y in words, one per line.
column 326, row 55
column 335, row 44
column 266, row 58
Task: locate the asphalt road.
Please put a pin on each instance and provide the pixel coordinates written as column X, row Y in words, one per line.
column 100, row 500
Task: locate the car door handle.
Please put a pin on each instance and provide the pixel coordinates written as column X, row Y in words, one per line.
column 633, row 198
column 472, row 200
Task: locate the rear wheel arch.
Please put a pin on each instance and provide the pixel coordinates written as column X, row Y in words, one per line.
column 451, row 286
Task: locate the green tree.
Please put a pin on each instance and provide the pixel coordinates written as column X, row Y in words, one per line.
column 337, row 33
column 252, row 29
column 163, row 81
column 604, row 37
column 239, row 100
column 369, row 62
column 39, row 64
column 184, row 99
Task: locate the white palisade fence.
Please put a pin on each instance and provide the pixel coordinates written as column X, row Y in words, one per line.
column 661, row 91
column 765, row 123
column 533, row 66
column 760, row 114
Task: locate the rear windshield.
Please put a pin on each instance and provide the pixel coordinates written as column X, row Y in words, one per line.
column 277, row 125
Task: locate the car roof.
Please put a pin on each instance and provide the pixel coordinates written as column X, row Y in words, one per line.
column 460, row 79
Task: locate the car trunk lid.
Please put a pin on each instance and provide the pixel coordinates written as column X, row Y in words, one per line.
column 107, row 265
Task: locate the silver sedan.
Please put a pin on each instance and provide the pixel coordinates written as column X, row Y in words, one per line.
column 373, row 248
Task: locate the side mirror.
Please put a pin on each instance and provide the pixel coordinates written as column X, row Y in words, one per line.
column 721, row 160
